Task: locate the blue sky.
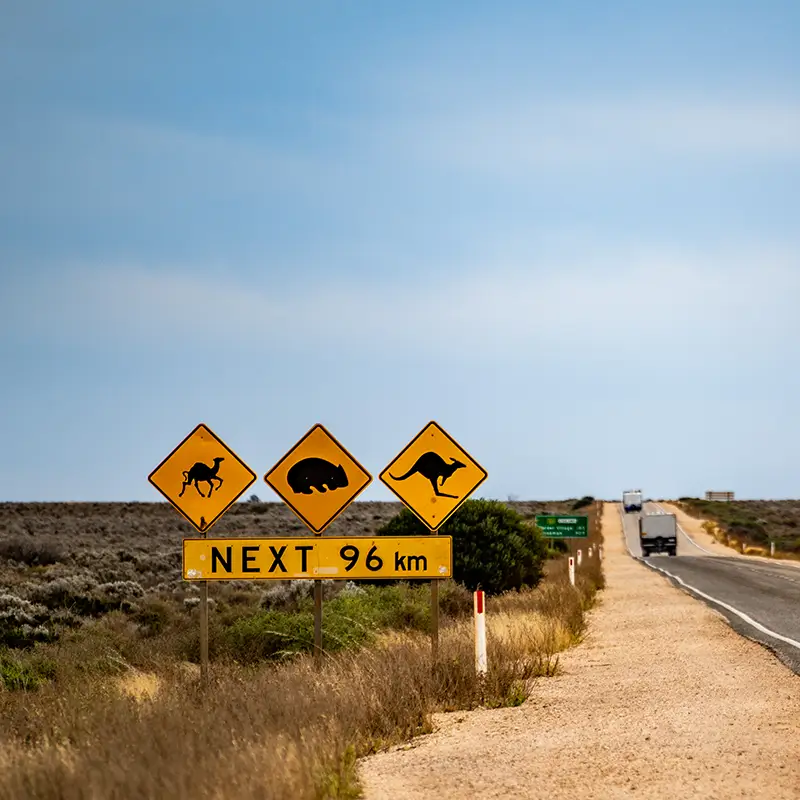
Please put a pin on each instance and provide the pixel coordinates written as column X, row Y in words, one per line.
column 567, row 232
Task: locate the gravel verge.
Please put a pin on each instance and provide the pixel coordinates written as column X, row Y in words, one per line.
column 662, row 700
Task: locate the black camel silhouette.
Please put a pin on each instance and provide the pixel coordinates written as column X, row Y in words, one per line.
column 433, row 467
column 202, row 472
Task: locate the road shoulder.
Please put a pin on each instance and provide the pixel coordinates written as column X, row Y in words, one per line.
column 663, row 699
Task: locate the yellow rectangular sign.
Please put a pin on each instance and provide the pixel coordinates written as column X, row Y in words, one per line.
column 345, row 558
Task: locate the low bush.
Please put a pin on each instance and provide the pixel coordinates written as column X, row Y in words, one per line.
column 585, row 501
column 81, row 594
column 22, row 623
column 18, row 675
column 31, row 550
column 494, row 548
column 350, row 619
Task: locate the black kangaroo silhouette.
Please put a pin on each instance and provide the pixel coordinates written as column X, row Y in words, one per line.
column 433, row 467
column 202, row 472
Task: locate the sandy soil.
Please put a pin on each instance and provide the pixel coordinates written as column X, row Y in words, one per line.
column 663, row 700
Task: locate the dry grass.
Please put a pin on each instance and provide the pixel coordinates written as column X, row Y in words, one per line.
column 749, row 525
column 282, row 731
column 124, row 719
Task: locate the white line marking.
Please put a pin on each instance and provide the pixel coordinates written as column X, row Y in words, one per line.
column 749, row 620
column 699, row 547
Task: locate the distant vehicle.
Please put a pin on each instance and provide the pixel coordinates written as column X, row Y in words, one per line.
column 658, row 533
column 632, row 500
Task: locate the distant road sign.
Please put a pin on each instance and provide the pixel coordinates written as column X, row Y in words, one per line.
column 202, row 477
column 724, row 496
column 329, row 557
column 564, row 526
column 318, row 478
column 433, row 475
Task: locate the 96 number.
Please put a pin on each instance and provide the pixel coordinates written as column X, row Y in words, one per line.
column 351, row 553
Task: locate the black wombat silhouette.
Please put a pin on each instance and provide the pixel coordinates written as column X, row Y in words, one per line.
column 433, row 467
column 202, row 472
column 316, row 473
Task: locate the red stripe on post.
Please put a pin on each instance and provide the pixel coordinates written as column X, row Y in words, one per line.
column 480, row 601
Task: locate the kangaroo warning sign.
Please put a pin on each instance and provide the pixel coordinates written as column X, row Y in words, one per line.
column 433, row 475
column 321, row 558
column 318, row 479
column 202, row 477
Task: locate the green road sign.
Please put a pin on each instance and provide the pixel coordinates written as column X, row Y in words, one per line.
column 563, row 527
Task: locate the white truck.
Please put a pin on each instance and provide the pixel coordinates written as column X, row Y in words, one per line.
column 632, row 500
column 658, row 533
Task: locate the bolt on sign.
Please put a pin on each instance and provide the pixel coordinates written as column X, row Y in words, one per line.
column 433, row 475
column 563, row 527
column 318, row 478
column 345, row 558
column 202, row 477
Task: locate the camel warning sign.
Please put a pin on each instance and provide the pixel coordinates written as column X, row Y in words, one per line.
column 318, row 479
column 433, row 475
column 327, row 557
column 202, row 477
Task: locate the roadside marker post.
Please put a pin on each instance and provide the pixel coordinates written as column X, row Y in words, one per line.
column 202, row 459
column 418, row 474
column 572, row 570
column 590, row 551
column 580, row 555
column 600, row 552
column 772, row 548
column 479, row 603
column 317, row 478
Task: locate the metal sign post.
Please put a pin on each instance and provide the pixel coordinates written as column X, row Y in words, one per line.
column 318, row 479
column 202, row 478
column 433, row 475
column 317, row 624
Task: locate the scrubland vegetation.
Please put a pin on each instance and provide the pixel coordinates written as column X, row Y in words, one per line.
column 99, row 689
column 749, row 525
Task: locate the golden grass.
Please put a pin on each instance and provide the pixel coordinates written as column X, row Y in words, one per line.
column 282, row 731
column 139, row 685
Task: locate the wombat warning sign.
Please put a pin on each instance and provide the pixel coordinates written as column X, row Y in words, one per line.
column 318, row 478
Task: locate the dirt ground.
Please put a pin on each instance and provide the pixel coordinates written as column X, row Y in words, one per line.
column 662, row 700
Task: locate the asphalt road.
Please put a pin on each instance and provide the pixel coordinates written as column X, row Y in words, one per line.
column 765, row 595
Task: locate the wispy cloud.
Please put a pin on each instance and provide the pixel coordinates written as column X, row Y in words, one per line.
column 646, row 300
column 104, row 164
column 513, row 136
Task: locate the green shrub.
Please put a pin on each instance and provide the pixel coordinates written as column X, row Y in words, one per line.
column 22, row 623
column 587, row 500
column 349, row 620
column 494, row 548
column 18, row 676
column 31, row 550
column 153, row 616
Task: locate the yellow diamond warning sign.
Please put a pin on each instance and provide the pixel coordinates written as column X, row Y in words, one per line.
column 202, row 477
column 318, row 479
column 434, row 475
